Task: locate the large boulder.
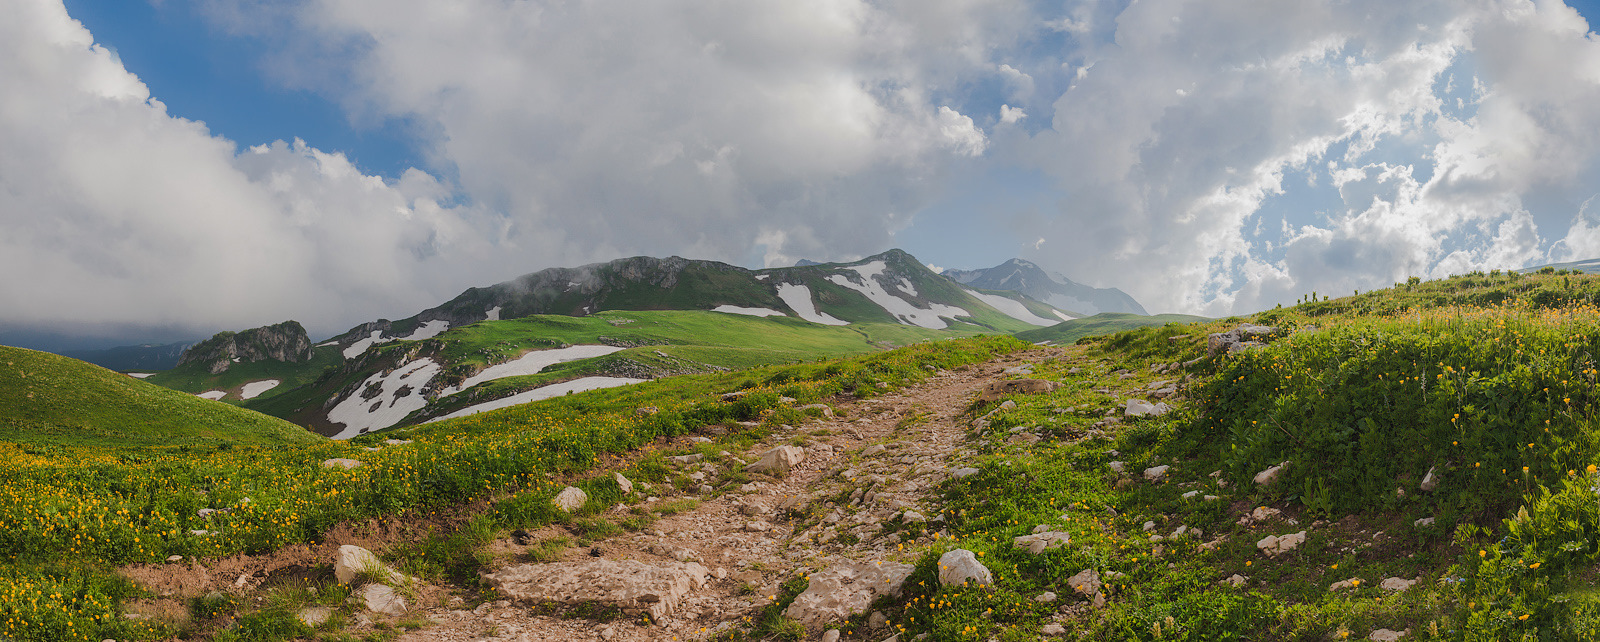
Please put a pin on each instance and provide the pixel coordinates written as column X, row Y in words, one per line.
column 379, row 598
column 630, row 585
column 570, row 499
column 1274, row 545
column 1042, row 541
column 842, row 591
column 778, row 461
column 353, row 562
column 962, row 566
column 1000, row 389
column 1142, row 408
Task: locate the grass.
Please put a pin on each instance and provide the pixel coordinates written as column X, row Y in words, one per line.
column 48, row 400
column 1068, row 332
column 70, row 515
column 196, row 378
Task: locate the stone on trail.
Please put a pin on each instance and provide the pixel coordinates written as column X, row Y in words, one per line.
column 630, row 585
column 1040, row 542
column 570, row 499
column 961, row 565
column 379, row 598
column 341, row 462
column 623, row 483
column 778, row 461
column 1142, row 408
column 354, row 562
column 1275, row 545
column 1000, row 389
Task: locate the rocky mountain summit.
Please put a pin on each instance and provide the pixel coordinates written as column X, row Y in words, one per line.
column 1023, row 276
column 285, row 342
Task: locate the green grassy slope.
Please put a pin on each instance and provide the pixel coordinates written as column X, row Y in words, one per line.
column 45, row 398
column 1099, row 324
column 194, row 377
column 693, row 341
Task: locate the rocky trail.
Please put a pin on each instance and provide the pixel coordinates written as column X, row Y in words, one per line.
column 708, row 570
column 845, row 499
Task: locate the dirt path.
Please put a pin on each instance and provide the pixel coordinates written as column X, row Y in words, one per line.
column 879, row 457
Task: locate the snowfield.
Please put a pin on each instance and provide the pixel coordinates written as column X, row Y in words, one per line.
column 1064, row 316
column 141, row 375
column 899, row 308
column 428, row 330
column 543, row 392
column 399, row 394
column 1012, row 308
column 361, row 346
column 749, row 312
column 255, row 388
column 493, row 313
column 532, row 363
column 214, row 395
column 798, row 298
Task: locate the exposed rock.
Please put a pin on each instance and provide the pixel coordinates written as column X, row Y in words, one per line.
column 1232, row 340
column 778, row 461
column 1345, row 584
column 1270, row 475
column 1086, row 582
column 830, row 635
column 822, row 407
column 1053, row 629
column 1426, row 521
column 285, row 341
column 872, row 450
column 314, row 616
column 841, row 591
column 1236, row 580
column 1155, row 473
column 346, row 464
column 1275, row 545
column 623, row 483
column 1385, row 635
column 1396, row 584
column 1430, row 481
column 998, row 389
column 1142, row 408
column 961, row 565
column 960, row 473
column 354, row 562
column 630, row 585
column 570, row 499
column 1117, row 467
column 692, row 458
column 1045, row 597
column 1040, row 542
column 397, row 442
column 380, row 598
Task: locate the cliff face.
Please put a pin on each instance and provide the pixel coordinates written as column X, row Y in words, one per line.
column 285, row 341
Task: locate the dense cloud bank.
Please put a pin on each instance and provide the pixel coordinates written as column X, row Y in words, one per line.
column 1207, row 157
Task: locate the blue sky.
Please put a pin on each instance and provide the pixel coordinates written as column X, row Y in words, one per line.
column 367, row 158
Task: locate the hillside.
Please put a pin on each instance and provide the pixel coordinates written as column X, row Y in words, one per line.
column 1420, row 460
column 50, row 399
column 892, row 287
column 1067, row 332
column 140, row 358
column 251, row 364
column 1053, row 289
column 400, row 382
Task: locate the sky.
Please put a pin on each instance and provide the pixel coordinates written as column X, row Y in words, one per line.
column 172, row 168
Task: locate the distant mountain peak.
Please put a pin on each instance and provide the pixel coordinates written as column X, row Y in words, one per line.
column 1028, row 278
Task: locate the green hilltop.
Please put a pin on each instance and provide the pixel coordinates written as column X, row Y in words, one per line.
column 50, row 399
column 1068, row 332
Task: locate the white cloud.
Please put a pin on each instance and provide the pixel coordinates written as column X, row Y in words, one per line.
column 114, row 213
column 1010, row 115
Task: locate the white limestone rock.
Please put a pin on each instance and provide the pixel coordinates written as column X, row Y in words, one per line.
column 570, row 499
column 841, row 591
column 778, row 461
column 630, row 585
column 961, row 565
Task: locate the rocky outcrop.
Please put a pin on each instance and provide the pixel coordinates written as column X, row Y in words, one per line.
column 285, row 342
column 630, row 585
column 841, row 591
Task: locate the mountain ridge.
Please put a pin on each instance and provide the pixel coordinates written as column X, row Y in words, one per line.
column 1054, row 289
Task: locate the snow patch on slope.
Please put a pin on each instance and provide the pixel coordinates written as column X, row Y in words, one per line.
column 749, row 312
column 531, row 363
column 361, row 346
column 1064, row 316
column 542, row 392
column 255, row 388
column 493, row 314
column 141, row 375
column 1011, row 308
column 428, row 330
column 798, row 298
column 214, row 395
column 399, row 393
column 899, row 308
